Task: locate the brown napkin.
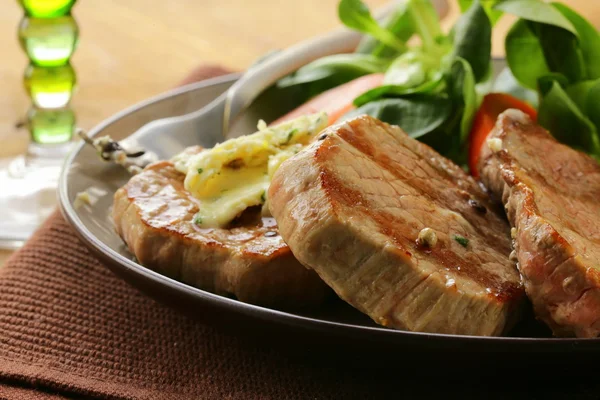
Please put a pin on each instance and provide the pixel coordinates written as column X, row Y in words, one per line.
column 69, row 328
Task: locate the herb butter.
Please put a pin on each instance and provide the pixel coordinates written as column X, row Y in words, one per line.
column 236, row 174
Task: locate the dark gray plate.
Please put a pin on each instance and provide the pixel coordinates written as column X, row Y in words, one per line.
column 334, row 327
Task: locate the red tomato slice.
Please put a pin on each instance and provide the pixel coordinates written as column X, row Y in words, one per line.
column 493, row 105
column 337, row 101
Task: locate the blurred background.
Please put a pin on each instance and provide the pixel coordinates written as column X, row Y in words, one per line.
column 130, row 50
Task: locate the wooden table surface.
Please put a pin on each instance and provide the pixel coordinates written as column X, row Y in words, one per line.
column 131, row 50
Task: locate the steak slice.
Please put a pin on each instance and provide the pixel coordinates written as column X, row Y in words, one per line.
column 353, row 205
column 153, row 214
column 552, row 197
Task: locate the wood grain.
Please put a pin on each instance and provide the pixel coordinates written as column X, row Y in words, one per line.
column 131, row 50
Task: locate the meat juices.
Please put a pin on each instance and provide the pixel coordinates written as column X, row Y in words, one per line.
column 398, row 231
column 552, row 197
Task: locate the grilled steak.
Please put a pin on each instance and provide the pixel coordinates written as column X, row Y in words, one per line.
column 398, row 231
column 552, row 197
column 153, row 214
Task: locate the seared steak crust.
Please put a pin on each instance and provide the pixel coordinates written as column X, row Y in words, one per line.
column 552, row 197
column 352, row 206
column 153, row 214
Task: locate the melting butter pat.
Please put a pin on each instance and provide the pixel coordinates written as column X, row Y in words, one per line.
column 236, row 174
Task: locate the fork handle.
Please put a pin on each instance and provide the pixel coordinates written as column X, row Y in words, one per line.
column 265, row 73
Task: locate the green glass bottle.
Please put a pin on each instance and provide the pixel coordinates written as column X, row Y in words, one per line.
column 51, row 126
column 50, row 87
column 46, row 8
column 48, row 34
column 48, row 42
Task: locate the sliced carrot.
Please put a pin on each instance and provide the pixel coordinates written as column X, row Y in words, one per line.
column 493, row 105
column 337, row 101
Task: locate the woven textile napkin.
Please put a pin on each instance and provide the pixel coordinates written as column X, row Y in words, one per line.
column 69, row 326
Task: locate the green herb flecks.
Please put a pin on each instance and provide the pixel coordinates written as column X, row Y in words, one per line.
column 197, row 219
column 200, row 170
column 263, row 196
column 290, row 135
column 463, row 241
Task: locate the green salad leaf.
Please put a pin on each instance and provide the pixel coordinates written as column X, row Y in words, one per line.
column 444, row 70
column 561, row 51
column 550, row 38
column 586, row 95
column 399, row 23
column 473, row 39
column 411, row 69
column 418, row 115
column 331, row 71
column 589, row 39
column 555, row 51
column 592, row 106
column 433, row 87
column 413, row 72
column 563, row 118
column 579, row 92
column 537, row 11
column 426, row 23
column 524, row 54
column 356, row 15
column 488, row 6
column 462, row 90
column 398, row 91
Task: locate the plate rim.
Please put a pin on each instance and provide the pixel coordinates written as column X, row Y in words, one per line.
column 107, row 254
